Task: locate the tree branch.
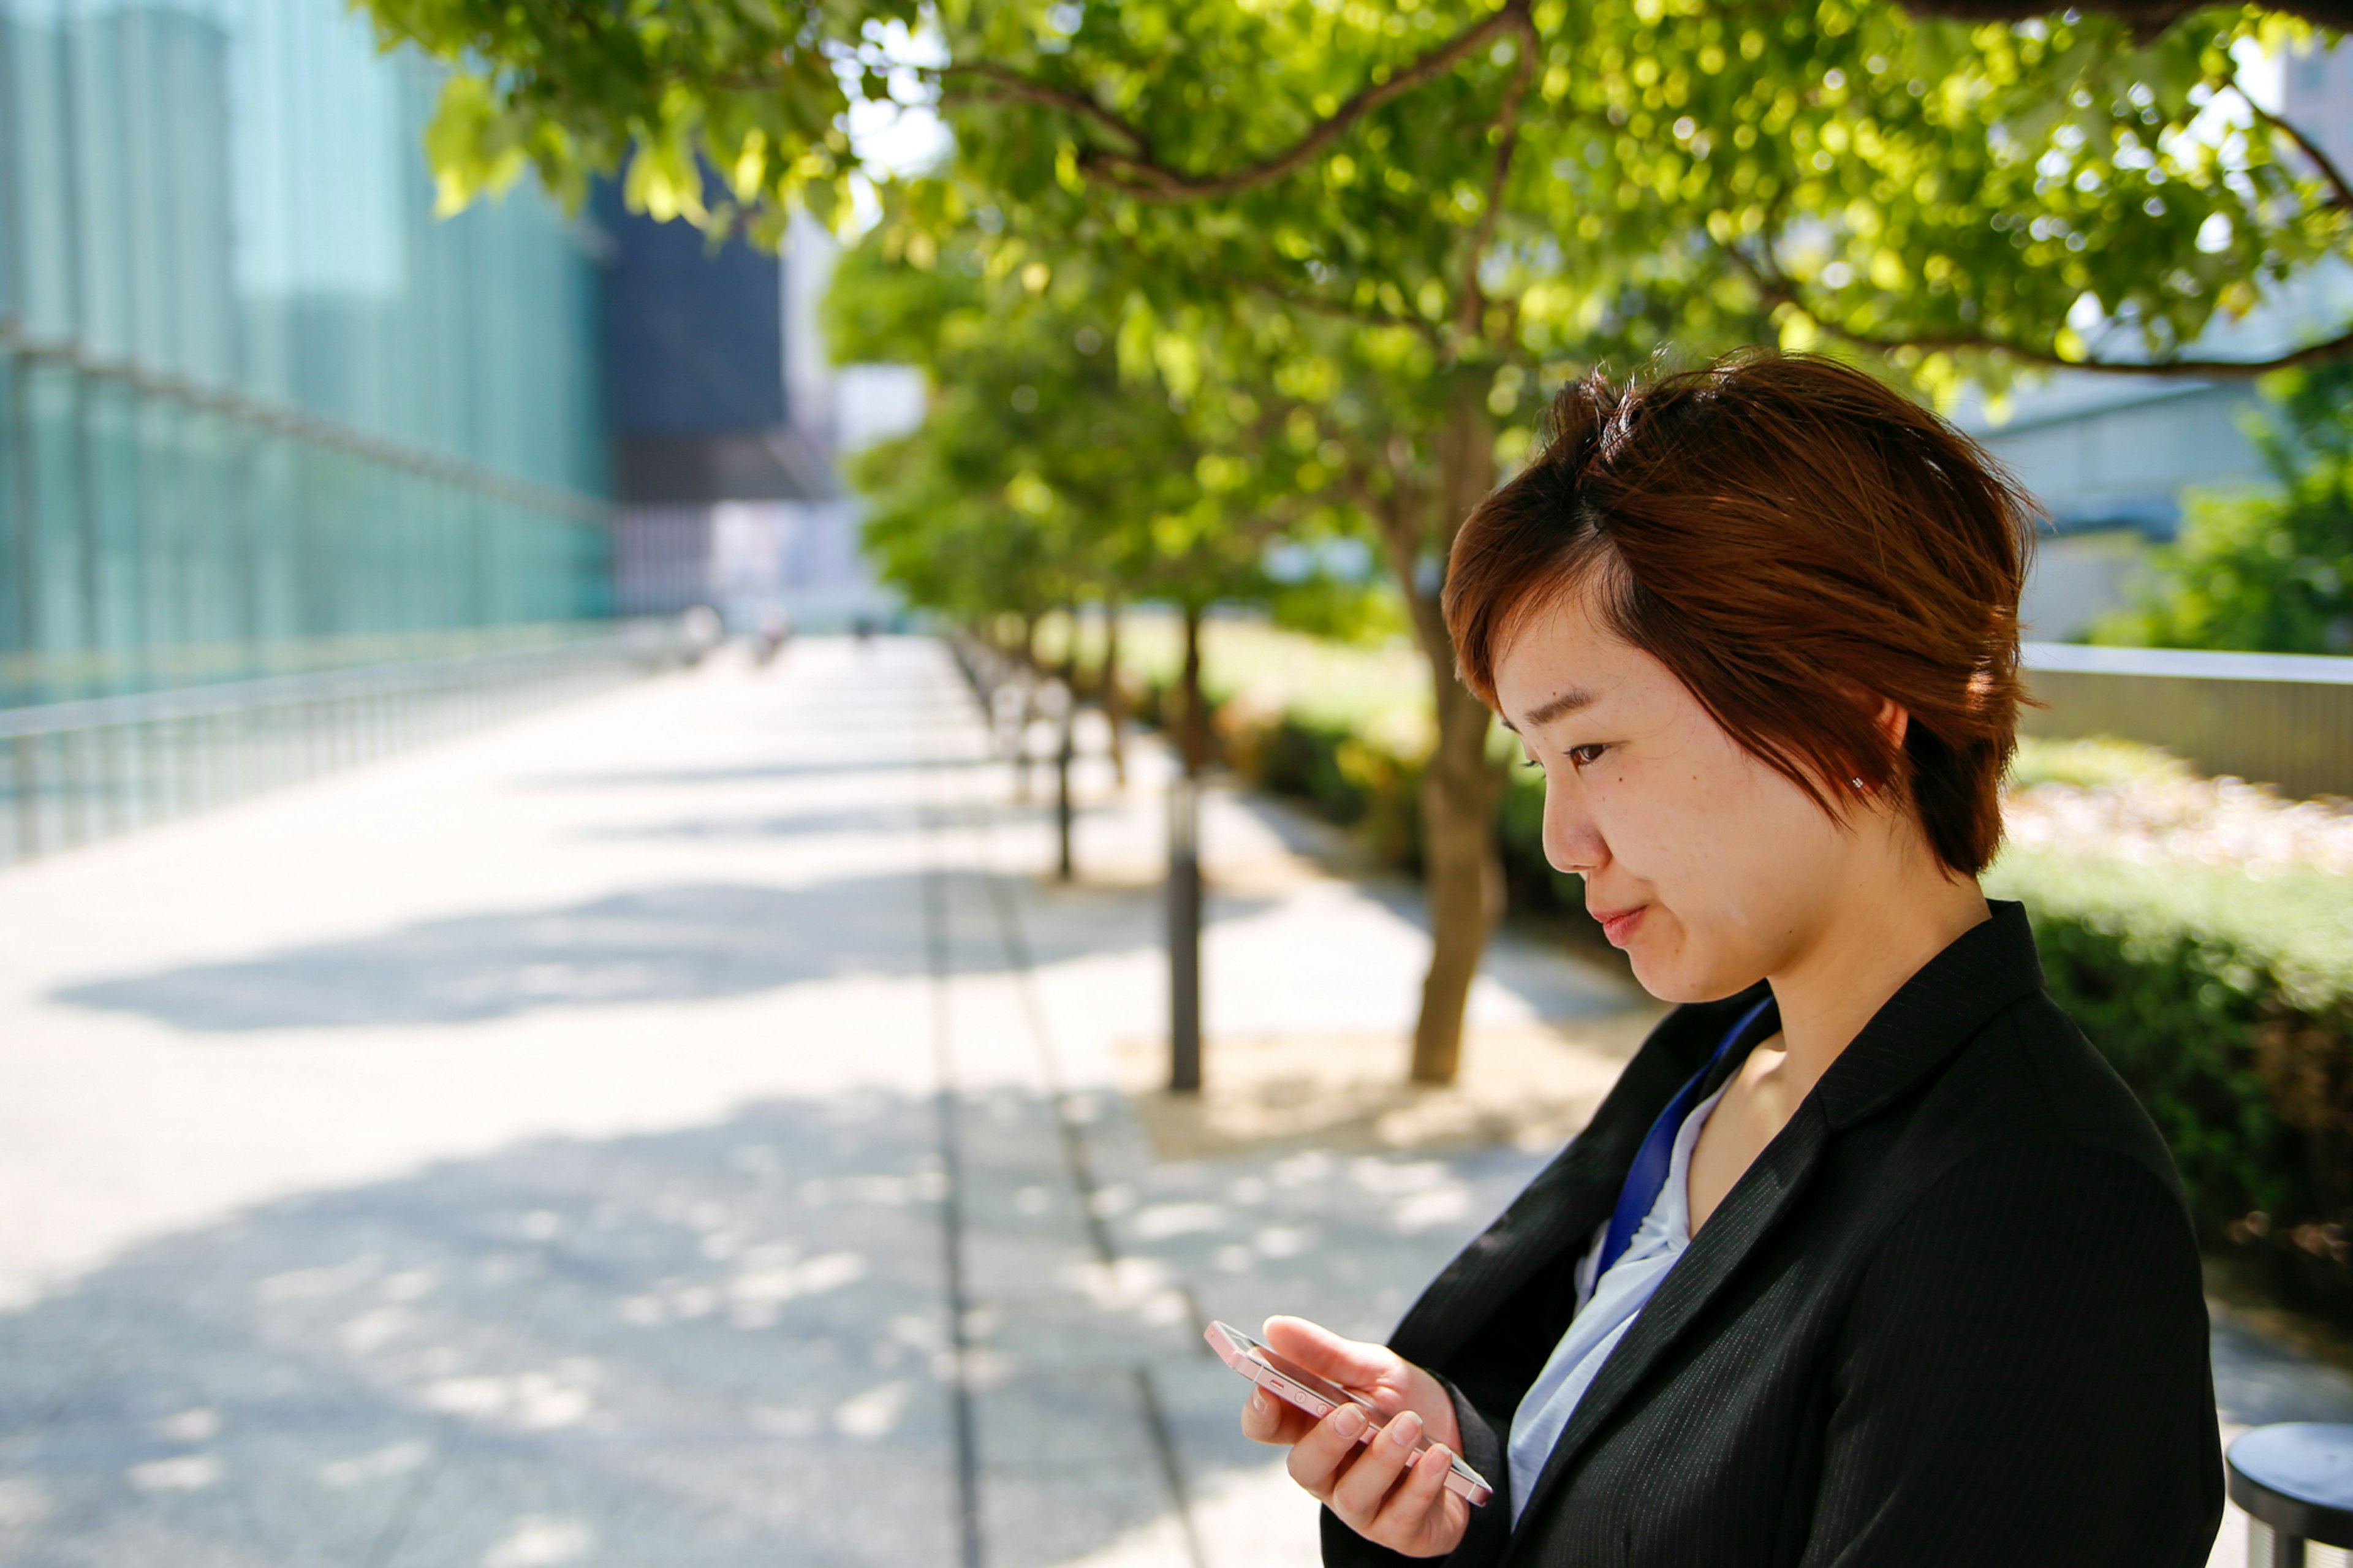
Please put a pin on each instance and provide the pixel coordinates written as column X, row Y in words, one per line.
column 1142, row 176
column 1395, row 520
column 1342, row 309
column 2146, row 19
column 1005, row 83
column 2311, row 353
column 2340, row 192
column 1507, row 143
column 1780, row 292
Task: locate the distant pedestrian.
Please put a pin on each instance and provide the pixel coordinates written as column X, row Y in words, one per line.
column 1869, row 1260
column 775, row 631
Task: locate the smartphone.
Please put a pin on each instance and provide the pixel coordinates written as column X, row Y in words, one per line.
column 1288, row 1381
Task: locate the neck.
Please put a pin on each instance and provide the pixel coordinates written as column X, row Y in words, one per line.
column 1884, row 930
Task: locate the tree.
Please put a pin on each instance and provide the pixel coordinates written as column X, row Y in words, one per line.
column 1051, row 469
column 2269, row 571
column 1134, row 475
column 1466, row 200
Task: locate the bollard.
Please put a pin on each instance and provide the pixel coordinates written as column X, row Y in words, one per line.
column 1184, row 936
column 2296, row 1481
column 1024, row 711
column 1064, row 757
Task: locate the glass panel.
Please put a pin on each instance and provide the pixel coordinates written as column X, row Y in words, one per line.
column 269, row 415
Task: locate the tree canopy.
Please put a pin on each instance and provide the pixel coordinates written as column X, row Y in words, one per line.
column 1054, row 465
column 1378, row 232
column 1558, row 177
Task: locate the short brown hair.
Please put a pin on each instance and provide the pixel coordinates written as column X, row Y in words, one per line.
column 1795, row 541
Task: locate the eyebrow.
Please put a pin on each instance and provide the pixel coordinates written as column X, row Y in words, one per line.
column 1544, row 712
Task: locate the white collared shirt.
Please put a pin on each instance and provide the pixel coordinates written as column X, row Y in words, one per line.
column 1606, row 1309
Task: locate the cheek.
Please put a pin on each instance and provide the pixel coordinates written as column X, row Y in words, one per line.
column 1725, row 844
column 1662, row 822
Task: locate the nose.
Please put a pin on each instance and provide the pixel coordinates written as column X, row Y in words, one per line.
column 1572, row 843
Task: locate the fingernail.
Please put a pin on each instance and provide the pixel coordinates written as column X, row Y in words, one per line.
column 1258, row 1403
column 1406, row 1430
column 1349, row 1421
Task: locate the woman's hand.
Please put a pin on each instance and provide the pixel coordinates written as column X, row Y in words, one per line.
column 1378, row 1488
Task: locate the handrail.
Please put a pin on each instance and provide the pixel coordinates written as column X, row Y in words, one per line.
column 2081, row 658
column 285, row 420
column 282, row 690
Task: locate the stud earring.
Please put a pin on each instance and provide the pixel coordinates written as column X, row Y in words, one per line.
column 1858, row 785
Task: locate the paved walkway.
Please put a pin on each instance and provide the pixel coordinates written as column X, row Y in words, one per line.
column 680, row 1129
column 684, row 1130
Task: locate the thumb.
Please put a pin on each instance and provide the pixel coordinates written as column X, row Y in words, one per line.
column 1352, row 1364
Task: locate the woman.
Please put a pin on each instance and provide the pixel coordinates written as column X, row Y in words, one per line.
column 1868, row 1258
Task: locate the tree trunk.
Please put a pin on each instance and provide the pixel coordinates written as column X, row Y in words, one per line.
column 1460, row 869
column 1114, row 700
column 1460, row 787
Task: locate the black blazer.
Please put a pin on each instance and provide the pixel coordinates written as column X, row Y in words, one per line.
column 1951, row 1315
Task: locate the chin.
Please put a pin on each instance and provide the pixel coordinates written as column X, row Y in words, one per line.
column 1674, row 988
column 1678, row 977
column 1662, row 979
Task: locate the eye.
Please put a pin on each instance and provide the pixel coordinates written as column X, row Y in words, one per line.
column 1531, row 762
column 1586, row 756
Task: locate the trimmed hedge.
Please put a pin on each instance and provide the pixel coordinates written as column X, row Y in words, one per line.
column 2227, row 1004
column 2225, row 1000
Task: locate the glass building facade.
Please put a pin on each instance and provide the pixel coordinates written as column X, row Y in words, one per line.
column 260, row 412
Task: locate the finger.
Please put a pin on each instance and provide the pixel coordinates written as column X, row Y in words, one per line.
column 1407, row 1512
column 1327, row 1448
column 1352, row 1364
column 1360, row 1494
column 1266, row 1419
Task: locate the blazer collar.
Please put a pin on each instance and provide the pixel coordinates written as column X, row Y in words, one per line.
column 1981, row 972
column 1952, row 997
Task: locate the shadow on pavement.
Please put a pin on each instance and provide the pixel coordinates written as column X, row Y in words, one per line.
column 697, row 1348
column 2256, row 1381
column 722, row 1345
column 795, row 825
column 682, row 941
column 780, row 824
column 758, row 773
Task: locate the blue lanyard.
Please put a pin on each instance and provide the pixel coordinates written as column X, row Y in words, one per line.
column 1652, row 1160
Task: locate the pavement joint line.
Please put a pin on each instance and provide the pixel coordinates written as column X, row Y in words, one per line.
column 936, row 952
column 1079, row 1165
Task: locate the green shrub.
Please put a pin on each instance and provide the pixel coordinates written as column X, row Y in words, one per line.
column 2269, row 570
column 2226, row 1001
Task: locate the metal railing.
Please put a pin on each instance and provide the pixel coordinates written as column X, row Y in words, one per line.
column 73, row 773
column 2277, row 718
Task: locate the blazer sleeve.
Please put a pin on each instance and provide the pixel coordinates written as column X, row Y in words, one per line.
column 2024, row 1377
column 1490, row 1524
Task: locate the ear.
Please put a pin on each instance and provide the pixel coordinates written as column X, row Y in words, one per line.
column 1895, row 719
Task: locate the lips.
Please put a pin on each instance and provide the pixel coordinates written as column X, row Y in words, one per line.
column 1619, row 925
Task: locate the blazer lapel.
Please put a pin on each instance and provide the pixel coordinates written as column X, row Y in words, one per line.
column 1748, row 1215
column 1571, row 1195
column 1561, row 1205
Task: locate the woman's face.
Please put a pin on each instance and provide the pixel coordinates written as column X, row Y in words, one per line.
column 1711, row 870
